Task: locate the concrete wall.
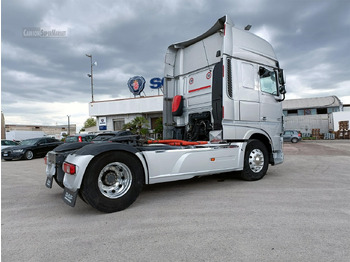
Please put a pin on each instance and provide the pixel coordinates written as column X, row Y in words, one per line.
column 339, row 116
column 48, row 130
column 305, row 124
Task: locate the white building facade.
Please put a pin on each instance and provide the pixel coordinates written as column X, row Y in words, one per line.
column 111, row 115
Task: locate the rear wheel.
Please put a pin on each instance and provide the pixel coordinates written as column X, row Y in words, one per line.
column 29, row 155
column 256, row 161
column 294, row 140
column 113, row 181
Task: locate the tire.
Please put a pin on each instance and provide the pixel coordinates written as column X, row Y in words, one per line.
column 29, row 155
column 113, row 181
column 294, row 140
column 256, row 161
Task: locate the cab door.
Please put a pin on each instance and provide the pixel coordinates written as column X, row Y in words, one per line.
column 248, row 93
column 270, row 106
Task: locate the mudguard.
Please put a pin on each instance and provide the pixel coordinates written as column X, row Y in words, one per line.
column 82, row 158
column 70, row 146
column 96, row 149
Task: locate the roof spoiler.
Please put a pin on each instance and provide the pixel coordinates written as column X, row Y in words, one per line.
column 219, row 25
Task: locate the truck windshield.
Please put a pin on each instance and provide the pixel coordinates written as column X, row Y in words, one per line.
column 268, row 83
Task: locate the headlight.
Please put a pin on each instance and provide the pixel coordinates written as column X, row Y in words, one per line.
column 18, row 151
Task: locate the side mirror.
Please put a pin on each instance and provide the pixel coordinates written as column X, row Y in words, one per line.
column 281, row 77
column 282, row 90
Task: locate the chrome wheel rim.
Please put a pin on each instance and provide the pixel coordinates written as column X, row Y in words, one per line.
column 256, row 160
column 114, row 180
column 29, row 154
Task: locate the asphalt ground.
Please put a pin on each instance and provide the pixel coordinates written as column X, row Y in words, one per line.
column 300, row 211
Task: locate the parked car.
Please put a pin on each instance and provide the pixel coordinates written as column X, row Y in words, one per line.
column 55, row 158
column 103, row 137
column 7, row 143
column 79, row 138
column 291, row 136
column 30, row 148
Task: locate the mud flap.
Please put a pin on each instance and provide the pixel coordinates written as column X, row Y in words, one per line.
column 48, row 182
column 69, row 197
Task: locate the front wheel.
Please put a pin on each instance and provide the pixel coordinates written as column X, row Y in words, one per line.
column 256, row 161
column 29, row 155
column 113, row 181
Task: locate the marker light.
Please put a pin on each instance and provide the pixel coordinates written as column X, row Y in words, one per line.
column 69, row 168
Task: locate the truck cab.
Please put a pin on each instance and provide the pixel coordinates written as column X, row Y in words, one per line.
column 224, row 85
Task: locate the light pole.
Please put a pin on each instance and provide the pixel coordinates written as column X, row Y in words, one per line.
column 68, row 125
column 92, row 77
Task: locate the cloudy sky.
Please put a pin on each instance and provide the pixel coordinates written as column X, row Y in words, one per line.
column 44, row 79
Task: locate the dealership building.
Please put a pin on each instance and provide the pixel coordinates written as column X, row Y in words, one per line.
column 111, row 115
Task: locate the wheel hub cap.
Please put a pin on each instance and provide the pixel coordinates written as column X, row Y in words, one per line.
column 256, row 160
column 114, row 180
column 110, row 179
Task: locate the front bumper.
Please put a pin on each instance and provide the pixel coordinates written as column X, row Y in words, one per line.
column 10, row 155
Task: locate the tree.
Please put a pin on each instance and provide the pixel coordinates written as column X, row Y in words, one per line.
column 129, row 126
column 140, row 122
column 139, row 125
column 158, row 128
column 90, row 122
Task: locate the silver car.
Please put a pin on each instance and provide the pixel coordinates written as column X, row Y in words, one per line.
column 291, row 136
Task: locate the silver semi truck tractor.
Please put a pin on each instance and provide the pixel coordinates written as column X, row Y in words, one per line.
column 222, row 113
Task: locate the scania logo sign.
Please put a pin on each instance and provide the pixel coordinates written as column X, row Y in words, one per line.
column 136, row 85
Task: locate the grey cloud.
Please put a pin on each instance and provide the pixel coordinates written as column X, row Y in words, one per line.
column 130, row 38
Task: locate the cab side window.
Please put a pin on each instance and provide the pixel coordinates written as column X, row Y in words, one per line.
column 268, row 83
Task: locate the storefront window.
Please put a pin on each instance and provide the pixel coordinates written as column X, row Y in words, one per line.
column 118, row 124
